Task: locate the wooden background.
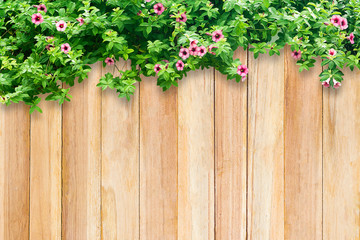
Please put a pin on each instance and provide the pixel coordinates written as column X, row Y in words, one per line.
column 276, row 157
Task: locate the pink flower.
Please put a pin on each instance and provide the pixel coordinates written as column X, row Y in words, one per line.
column 49, row 47
column 41, row 7
column 326, row 83
column 242, row 70
column 80, row 20
column 296, row 54
column 157, row 68
column 37, row 18
column 211, row 47
column 243, row 79
column 202, row 51
column 193, row 50
column 343, row 24
column 335, row 20
column 48, row 38
column 184, row 53
column 65, row 48
column 109, row 61
column 336, row 84
column 217, row 35
column 180, row 65
column 61, row 26
column 182, row 18
column 159, row 8
column 194, row 42
column 332, row 52
column 351, row 38
column 147, row 0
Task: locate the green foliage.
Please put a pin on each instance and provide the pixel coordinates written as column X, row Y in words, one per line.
column 32, row 64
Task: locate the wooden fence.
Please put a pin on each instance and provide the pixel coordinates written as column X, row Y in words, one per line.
column 276, row 157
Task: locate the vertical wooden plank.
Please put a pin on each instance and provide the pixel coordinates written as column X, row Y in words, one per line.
column 230, row 155
column 81, row 160
column 303, row 151
column 120, row 163
column 196, row 156
column 45, row 172
column 158, row 162
column 266, row 148
column 341, row 161
column 14, row 171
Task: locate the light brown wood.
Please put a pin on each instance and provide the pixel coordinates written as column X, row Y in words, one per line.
column 341, row 177
column 196, row 156
column 230, row 155
column 158, row 162
column 303, row 151
column 14, row 171
column 45, row 172
column 266, row 147
column 82, row 160
column 120, row 163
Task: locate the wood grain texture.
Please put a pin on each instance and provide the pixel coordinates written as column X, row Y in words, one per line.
column 81, row 160
column 303, row 151
column 158, row 162
column 14, row 171
column 196, row 156
column 342, row 160
column 45, row 172
column 230, row 155
column 266, row 147
column 120, row 163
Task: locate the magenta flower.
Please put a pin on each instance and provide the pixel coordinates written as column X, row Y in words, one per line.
column 296, row 54
column 61, row 26
column 180, row 65
column 326, row 83
column 351, row 38
column 336, row 84
column 194, row 42
column 193, row 50
column 184, row 53
column 80, row 20
column 41, row 7
column 242, row 70
column 202, row 51
column 109, row 61
column 211, row 47
column 37, row 18
column 157, row 68
column 335, row 20
column 65, row 48
column 343, row 23
column 332, row 52
column 217, row 35
column 182, row 18
column 159, row 8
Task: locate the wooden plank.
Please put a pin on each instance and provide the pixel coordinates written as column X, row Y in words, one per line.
column 14, row 171
column 341, row 161
column 230, row 155
column 45, row 172
column 120, row 163
column 81, row 160
column 196, row 156
column 266, row 148
column 158, row 162
column 303, row 151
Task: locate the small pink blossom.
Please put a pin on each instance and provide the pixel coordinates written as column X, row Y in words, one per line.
column 336, row 84
column 157, row 68
column 326, row 83
column 193, row 50
column 41, row 7
column 109, row 61
column 65, row 48
column 335, row 20
column 180, row 65
column 217, row 35
column 147, row 0
column 351, row 38
column 49, row 47
column 332, row 52
column 61, row 26
column 211, row 47
column 202, row 51
column 343, row 23
column 243, row 79
column 80, row 20
column 37, row 18
column 194, row 42
column 184, row 53
column 48, row 38
column 159, row 8
column 296, row 54
column 182, row 18
column 242, row 70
